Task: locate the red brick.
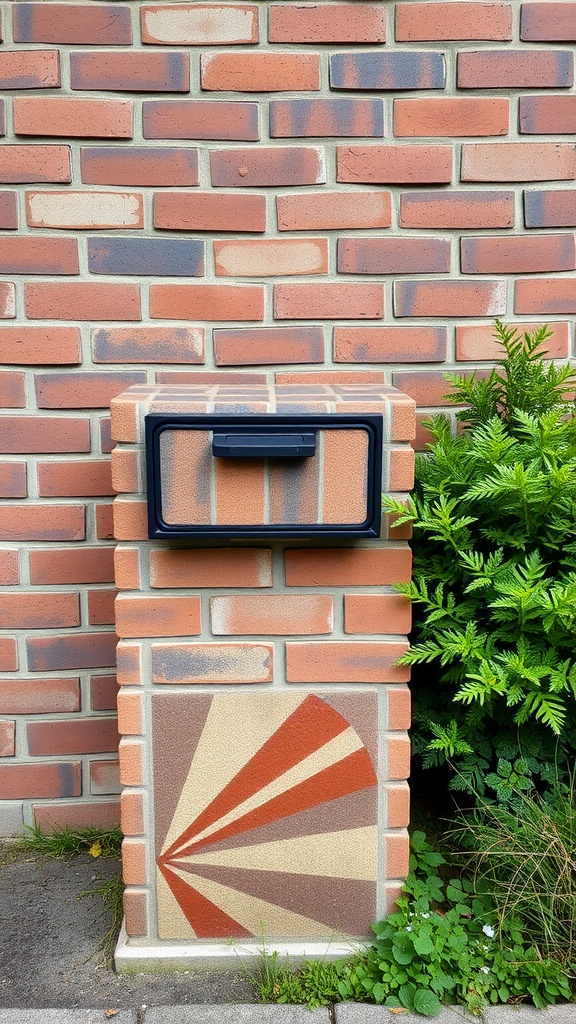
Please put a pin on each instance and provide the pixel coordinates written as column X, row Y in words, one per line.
column 389, row 344
column 450, row 116
column 8, row 210
column 139, row 165
column 401, row 163
column 399, row 717
column 517, row 161
column 9, row 572
column 29, row 255
column 35, row 163
column 397, row 805
column 450, row 298
column 127, row 567
column 200, row 24
column 267, row 345
column 104, row 515
column 515, row 69
column 23, row 434
column 33, row 610
column 30, row 69
column 425, row 22
column 34, row 696
column 7, row 300
column 104, row 814
column 517, row 254
column 48, row 779
column 329, row 377
column 83, row 389
column 148, row 345
column 415, row 255
column 130, row 713
column 132, row 813
column 550, row 208
column 550, row 22
column 272, row 257
column 206, row 302
column 128, row 666
column 104, row 778
column 345, row 661
column 8, row 654
column 273, row 614
column 71, row 565
column 155, row 615
column 13, row 480
column 333, row 210
column 200, row 119
column 101, row 607
column 74, row 479
column 103, row 691
column 453, row 209
column 134, row 71
column 86, row 210
column 398, row 759
column 260, row 72
column 7, row 739
column 401, row 472
column 547, row 115
column 105, row 424
column 377, row 613
column 129, row 520
column 208, row 211
column 103, row 25
column 134, row 862
column 327, row 23
column 335, row 117
column 125, row 470
column 347, row 567
column 333, row 301
column 12, row 390
column 38, row 345
column 96, row 735
column 476, row 342
column 212, row 663
column 42, row 522
column 545, row 295
column 65, row 115
column 286, row 165
column 211, row 567
column 210, row 377
column 71, row 651
column 81, row 300
column 427, row 388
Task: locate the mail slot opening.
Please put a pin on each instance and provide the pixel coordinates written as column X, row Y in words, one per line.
column 264, row 475
column 263, row 445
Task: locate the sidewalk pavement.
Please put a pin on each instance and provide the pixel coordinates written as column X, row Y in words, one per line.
column 243, row 1013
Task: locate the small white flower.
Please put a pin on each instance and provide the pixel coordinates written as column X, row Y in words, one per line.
column 426, row 915
column 488, row 930
column 485, row 970
column 408, row 927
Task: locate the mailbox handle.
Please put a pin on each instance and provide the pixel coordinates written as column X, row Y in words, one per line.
column 263, row 445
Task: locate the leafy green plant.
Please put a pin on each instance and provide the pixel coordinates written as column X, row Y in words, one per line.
column 111, row 892
column 440, row 946
column 494, row 587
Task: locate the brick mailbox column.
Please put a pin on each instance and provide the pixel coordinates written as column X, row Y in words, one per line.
column 264, row 752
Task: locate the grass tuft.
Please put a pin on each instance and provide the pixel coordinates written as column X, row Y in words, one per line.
column 68, row 842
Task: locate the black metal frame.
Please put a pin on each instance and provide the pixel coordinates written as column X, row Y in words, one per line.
column 372, row 423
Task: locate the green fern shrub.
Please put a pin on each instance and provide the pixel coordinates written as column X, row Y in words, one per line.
column 493, row 515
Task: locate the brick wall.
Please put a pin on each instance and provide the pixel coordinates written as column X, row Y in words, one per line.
column 193, row 192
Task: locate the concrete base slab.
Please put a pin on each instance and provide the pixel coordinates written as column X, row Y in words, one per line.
column 131, row 959
column 65, row 1017
column 362, row 1013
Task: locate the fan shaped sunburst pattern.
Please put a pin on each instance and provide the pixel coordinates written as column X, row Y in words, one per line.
column 266, row 821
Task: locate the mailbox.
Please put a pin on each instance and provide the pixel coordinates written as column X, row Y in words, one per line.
column 310, row 475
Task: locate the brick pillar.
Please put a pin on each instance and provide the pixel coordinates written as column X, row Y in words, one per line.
column 264, row 752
